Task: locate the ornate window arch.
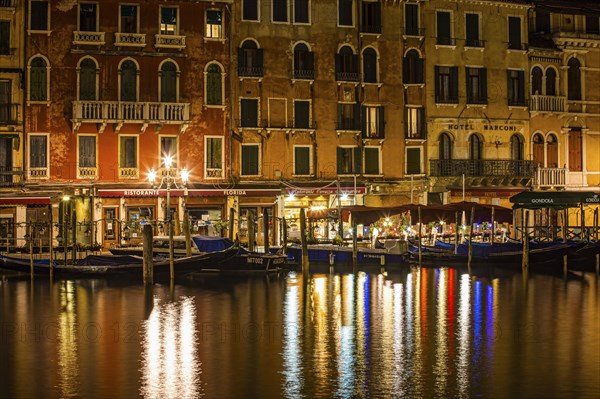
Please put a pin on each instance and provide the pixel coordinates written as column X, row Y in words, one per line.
column 168, row 89
column 128, row 80
column 574, row 79
column 87, row 79
column 39, row 79
column 370, row 67
column 214, row 77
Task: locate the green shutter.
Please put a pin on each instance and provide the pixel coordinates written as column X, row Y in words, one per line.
column 340, row 160
column 381, row 123
column 437, row 83
column 302, row 161
column 413, row 161
column 483, row 82
column 372, row 161
column 357, row 161
column 454, row 83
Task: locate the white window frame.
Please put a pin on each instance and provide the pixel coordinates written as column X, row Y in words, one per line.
column 354, row 16
column 415, row 122
column 79, row 76
column 161, row 156
column 452, row 29
column 258, row 146
column 257, row 12
column 479, row 27
column 79, row 176
column 421, row 160
column 311, row 171
column 137, row 155
column 206, row 175
column 176, row 32
column 137, row 15
column 48, row 69
column 293, row 13
column 287, row 13
column 419, row 23
column 29, row 168
column 220, row 36
column 380, row 161
column 47, row 31
column 223, row 77
column 137, row 78
column 97, row 14
column 354, row 148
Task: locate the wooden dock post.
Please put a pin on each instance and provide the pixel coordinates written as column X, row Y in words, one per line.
column 525, row 257
column 565, row 224
column 470, row 253
column 493, row 232
column 419, row 233
column 50, row 244
column 455, row 232
column 284, row 235
column 30, row 233
column 266, row 230
column 230, row 223
column 582, row 223
column 148, row 268
column 304, row 245
column 250, row 223
column 186, row 233
column 354, row 246
column 74, row 236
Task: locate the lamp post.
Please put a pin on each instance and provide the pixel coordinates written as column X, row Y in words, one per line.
column 167, row 181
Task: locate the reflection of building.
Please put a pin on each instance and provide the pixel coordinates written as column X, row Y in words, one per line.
column 114, row 87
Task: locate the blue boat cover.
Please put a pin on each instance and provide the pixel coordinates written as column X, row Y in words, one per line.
column 109, row 260
column 211, row 244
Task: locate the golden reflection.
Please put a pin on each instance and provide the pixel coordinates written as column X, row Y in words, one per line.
column 400, row 373
column 292, row 350
column 385, row 313
column 441, row 350
column 322, row 358
column 68, row 359
column 463, row 334
column 170, row 365
column 346, row 344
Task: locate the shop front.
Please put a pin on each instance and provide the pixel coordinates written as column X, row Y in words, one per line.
column 23, row 219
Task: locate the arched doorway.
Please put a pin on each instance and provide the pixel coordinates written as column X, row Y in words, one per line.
column 538, row 150
column 552, row 151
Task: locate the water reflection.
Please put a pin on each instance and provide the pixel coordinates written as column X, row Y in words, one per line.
column 170, row 364
column 428, row 336
column 68, row 362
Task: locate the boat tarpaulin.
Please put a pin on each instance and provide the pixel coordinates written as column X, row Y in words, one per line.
column 211, row 244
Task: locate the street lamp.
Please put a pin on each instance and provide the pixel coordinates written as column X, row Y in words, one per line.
column 167, row 181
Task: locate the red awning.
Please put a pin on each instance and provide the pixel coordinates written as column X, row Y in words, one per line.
column 143, row 192
column 24, row 200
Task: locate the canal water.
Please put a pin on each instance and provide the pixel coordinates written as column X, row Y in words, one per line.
column 411, row 333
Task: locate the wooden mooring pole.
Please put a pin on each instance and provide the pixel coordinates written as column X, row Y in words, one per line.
column 304, row 245
column 186, row 233
column 74, row 236
column 354, row 247
column 525, row 235
column 30, row 233
column 493, row 230
column 250, row 223
column 284, row 235
column 148, row 272
column 419, row 233
column 266, row 230
column 456, row 232
column 470, row 256
column 50, row 244
column 230, row 223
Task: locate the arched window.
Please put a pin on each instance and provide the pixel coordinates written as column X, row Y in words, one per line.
column 214, row 85
column 445, row 146
column 538, row 149
column 369, row 66
column 303, row 62
column 412, row 67
column 574, row 79
column 87, row 80
column 536, row 81
column 516, row 148
column 250, row 61
column 128, row 81
column 168, row 82
column 475, row 147
column 346, row 65
column 38, row 79
column 550, row 82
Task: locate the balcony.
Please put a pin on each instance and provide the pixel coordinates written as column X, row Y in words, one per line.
column 250, row 71
column 539, row 103
column 550, row 178
column 303, row 74
column 518, row 46
column 169, row 42
column 9, row 114
column 347, row 76
column 482, row 168
column 11, row 177
column 130, row 40
column 475, row 43
column 214, row 173
column 104, row 112
column 370, row 29
column 87, row 172
column 88, row 38
column 8, row 3
column 413, row 32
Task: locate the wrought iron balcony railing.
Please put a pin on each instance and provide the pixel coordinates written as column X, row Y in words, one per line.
column 11, row 176
column 347, row 76
column 468, row 167
column 306, row 74
column 253, row 71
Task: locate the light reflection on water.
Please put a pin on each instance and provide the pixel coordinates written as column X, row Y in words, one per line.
column 170, row 364
column 417, row 333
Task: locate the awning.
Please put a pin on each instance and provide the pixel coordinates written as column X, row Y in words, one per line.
column 325, row 190
column 24, row 200
column 554, row 199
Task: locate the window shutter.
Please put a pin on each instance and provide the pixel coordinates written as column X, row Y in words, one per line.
column 454, row 82
column 340, row 160
column 472, row 29
column 406, row 124
column 302, row 164
column 372, row 161
column 310, row 61
column 469, row 84
column 443, row 27
column 357, row 117
column 250, row 10
column 483, row 82
column 301, row 113
column 363, row 119
column 511, row 95
column 421, row 123
column 241, row 58
column 411, row 19
column 419, row 68
column 437, row 82
column 413, row 161
column 357, row 161
column 259, row 58
column 377, row 16
column 521, row 76
column 514, row 32
column 340, row 115
column 381, row 123
column 338, row 64
column 4, row 37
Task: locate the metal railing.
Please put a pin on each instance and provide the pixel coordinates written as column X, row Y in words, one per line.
column 250, row 71
column 307, row 74
column 468, row 167
column 11, row 176
column 347, row 76
column 9, row 114
column 114, row 111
